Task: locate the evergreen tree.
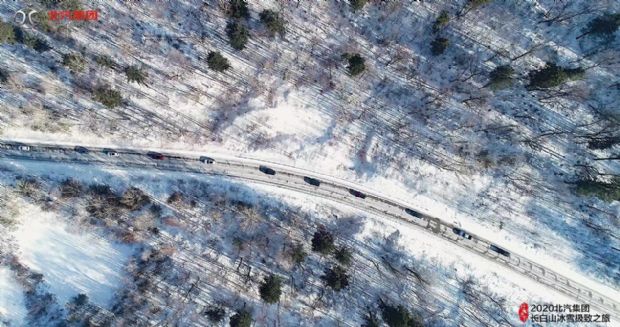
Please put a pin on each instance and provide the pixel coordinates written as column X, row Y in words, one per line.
column 74, row 61
column 136, row 74
column 357, row 4
column 242, row 318
column 238, row 9
column 336, row 277
column 217, row 62
column 399, row 316
column 442, row 20
column 343, row 255
column 439, row 45
column 273, row 22
column 323, row 241
column 238, row 35
column 298, row 254
column 501, row 77
column 271, row 289
column 107, row 96
column 552, row 75
column 356, row 64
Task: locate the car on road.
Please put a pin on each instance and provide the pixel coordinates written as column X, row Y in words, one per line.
column 312, row 181
column 414, row 213
column 155, row 155
column 499, row 250
column 461, row 233
column 110, row 152
column 266, row 170
column 357, row 194
column 207, row 160
column 80, row 149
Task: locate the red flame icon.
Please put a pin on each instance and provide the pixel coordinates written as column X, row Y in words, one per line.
column 524, row 312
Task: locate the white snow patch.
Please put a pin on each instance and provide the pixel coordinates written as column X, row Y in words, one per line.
column 71, row 263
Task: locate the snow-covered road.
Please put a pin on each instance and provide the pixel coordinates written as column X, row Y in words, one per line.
column 331, row 188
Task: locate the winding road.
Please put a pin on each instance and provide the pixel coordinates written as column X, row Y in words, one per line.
column 306, row 182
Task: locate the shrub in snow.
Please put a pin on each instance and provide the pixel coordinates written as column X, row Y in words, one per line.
column 603, row 26
column 399, row 316
column 357, row 4
column 79, row 300
column 273, row 22
column 70, row 188
column 238, row 9
column 298, row 254
column 74, row 61
column 29, row 187
column 442, row 20
column 136, row 74
column 552, row 75
column 134, row 199
column 238, row 34
column 217, row 62
column 7, row 33
column 356, row 63
column 215, row 313
column 343, row 255
column 107, row 96
column 439, row 45
column 242, row 318
column 323, row 241
column 501, row 77
column 336, row 277
column 105, row 61
column 271, row 289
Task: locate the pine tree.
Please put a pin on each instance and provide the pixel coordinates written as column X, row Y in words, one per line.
column 136, row 74
column 217, row 62
column 501, row 77
column 273, row 22
column 323, row 241
column 238, row 9
column 238, row 35
column 336, row 277
column 242, row 318
column 271, row 289
column 357, row 4
column 439, row 45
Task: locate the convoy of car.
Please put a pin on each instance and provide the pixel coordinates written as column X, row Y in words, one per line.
column 270, row 171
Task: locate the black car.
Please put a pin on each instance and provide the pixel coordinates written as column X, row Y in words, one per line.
column 461, row 233
column 80, row 149
column 156, row 155
column 267, row 170
column 357, row 193
column 499, row 250
column 414, row 213
column 312, row 181
column 207, row 160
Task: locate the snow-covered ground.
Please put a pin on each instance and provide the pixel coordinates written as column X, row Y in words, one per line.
column 12, row 308
column 71, row 261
